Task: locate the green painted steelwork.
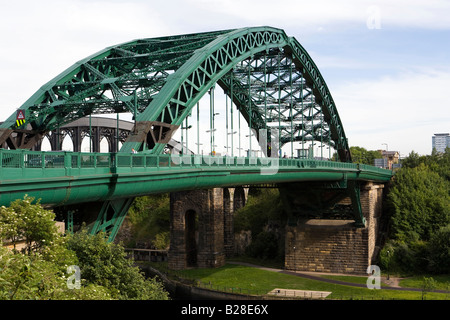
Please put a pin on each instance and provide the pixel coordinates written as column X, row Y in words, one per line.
column 269, row 76
column 70, row 178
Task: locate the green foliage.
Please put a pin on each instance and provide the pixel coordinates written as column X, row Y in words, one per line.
column 264, row 207
column 150, row 219
column 264, row 246
column 419, row 201
column 105, row 264
column 428, row 285
column 439, row 251
column 404, row 257
column 41, row 271
column 25, row 221
column 361, row 155
column 419, row 208
column 437, row 162
column 38, row 277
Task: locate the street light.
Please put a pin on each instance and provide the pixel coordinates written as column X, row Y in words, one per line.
column 232, row 141
column 198, row 147
column 182, row 143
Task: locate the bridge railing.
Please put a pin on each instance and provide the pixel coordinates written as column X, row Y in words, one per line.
column 74, row 163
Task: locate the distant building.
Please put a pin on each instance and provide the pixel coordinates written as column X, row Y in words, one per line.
column 389, row 161
column 381, row 163
column 440, row 141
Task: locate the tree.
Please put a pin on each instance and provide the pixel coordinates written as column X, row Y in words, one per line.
column 419, row 202
column 439, row 251
column 32, row 277
column 41, row 271
column 361, row 155
column 25, row 221
column 428, row 285
column 105, row 264
column 149, row 217
column 419, row 207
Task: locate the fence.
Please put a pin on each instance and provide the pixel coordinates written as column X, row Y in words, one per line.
column 78, row 160
column 147, row 254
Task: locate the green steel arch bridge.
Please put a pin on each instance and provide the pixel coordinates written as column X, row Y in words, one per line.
column 268, row 79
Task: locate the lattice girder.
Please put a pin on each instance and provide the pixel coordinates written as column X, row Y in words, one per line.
column 270, row 76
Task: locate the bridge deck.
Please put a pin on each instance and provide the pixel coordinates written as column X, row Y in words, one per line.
column 59, row 178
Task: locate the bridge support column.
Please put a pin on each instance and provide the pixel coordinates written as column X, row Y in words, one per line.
column 197, row 229
column 325, row 245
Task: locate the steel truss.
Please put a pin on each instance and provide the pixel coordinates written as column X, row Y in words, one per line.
column 268, row 75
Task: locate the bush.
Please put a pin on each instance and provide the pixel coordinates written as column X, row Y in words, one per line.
column 41, row 272
column 419, row 205
column 404, row 257
column 419, row 202
column 150, row 221
column 105, row 264
column 264, row 246
column 26, row 221
column 262, row 206
column 439, row 251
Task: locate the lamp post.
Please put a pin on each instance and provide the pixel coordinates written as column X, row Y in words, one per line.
column 232, row 143
column 182, row 143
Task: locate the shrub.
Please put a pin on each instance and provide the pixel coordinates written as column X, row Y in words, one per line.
column 439, row 251
column 105, row 264
column 264, row 246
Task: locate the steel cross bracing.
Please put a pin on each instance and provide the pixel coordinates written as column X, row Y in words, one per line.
column 268, row 75
column 279, row 98
column 112, row 81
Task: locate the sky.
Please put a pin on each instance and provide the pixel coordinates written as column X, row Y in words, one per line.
column 386, row 63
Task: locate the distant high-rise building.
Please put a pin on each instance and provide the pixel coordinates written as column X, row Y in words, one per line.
column 440, row 141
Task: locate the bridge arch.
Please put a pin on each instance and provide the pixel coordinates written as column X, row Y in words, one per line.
column 269, row 76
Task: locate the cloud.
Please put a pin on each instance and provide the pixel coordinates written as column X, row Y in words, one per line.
column 40, row 39
column 326, row 15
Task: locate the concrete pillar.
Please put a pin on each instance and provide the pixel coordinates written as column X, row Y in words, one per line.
column 323, row 245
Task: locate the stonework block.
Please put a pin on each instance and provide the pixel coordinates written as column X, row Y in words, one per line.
column 336, row 245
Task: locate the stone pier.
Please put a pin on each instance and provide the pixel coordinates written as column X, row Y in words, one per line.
column 201, row 226
column 336, row 246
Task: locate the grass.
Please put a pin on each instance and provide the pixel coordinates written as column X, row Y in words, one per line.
column 442, row 282
column 256, row 281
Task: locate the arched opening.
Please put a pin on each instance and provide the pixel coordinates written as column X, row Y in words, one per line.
column 46, row 145
column 67, row 144
column 191, row 238
column 239, row 198
column 87, row 145
column 104, row 145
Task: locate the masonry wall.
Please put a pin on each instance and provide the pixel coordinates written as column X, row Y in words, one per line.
column 336, row 246
column 201, row 226
column 208, row 249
